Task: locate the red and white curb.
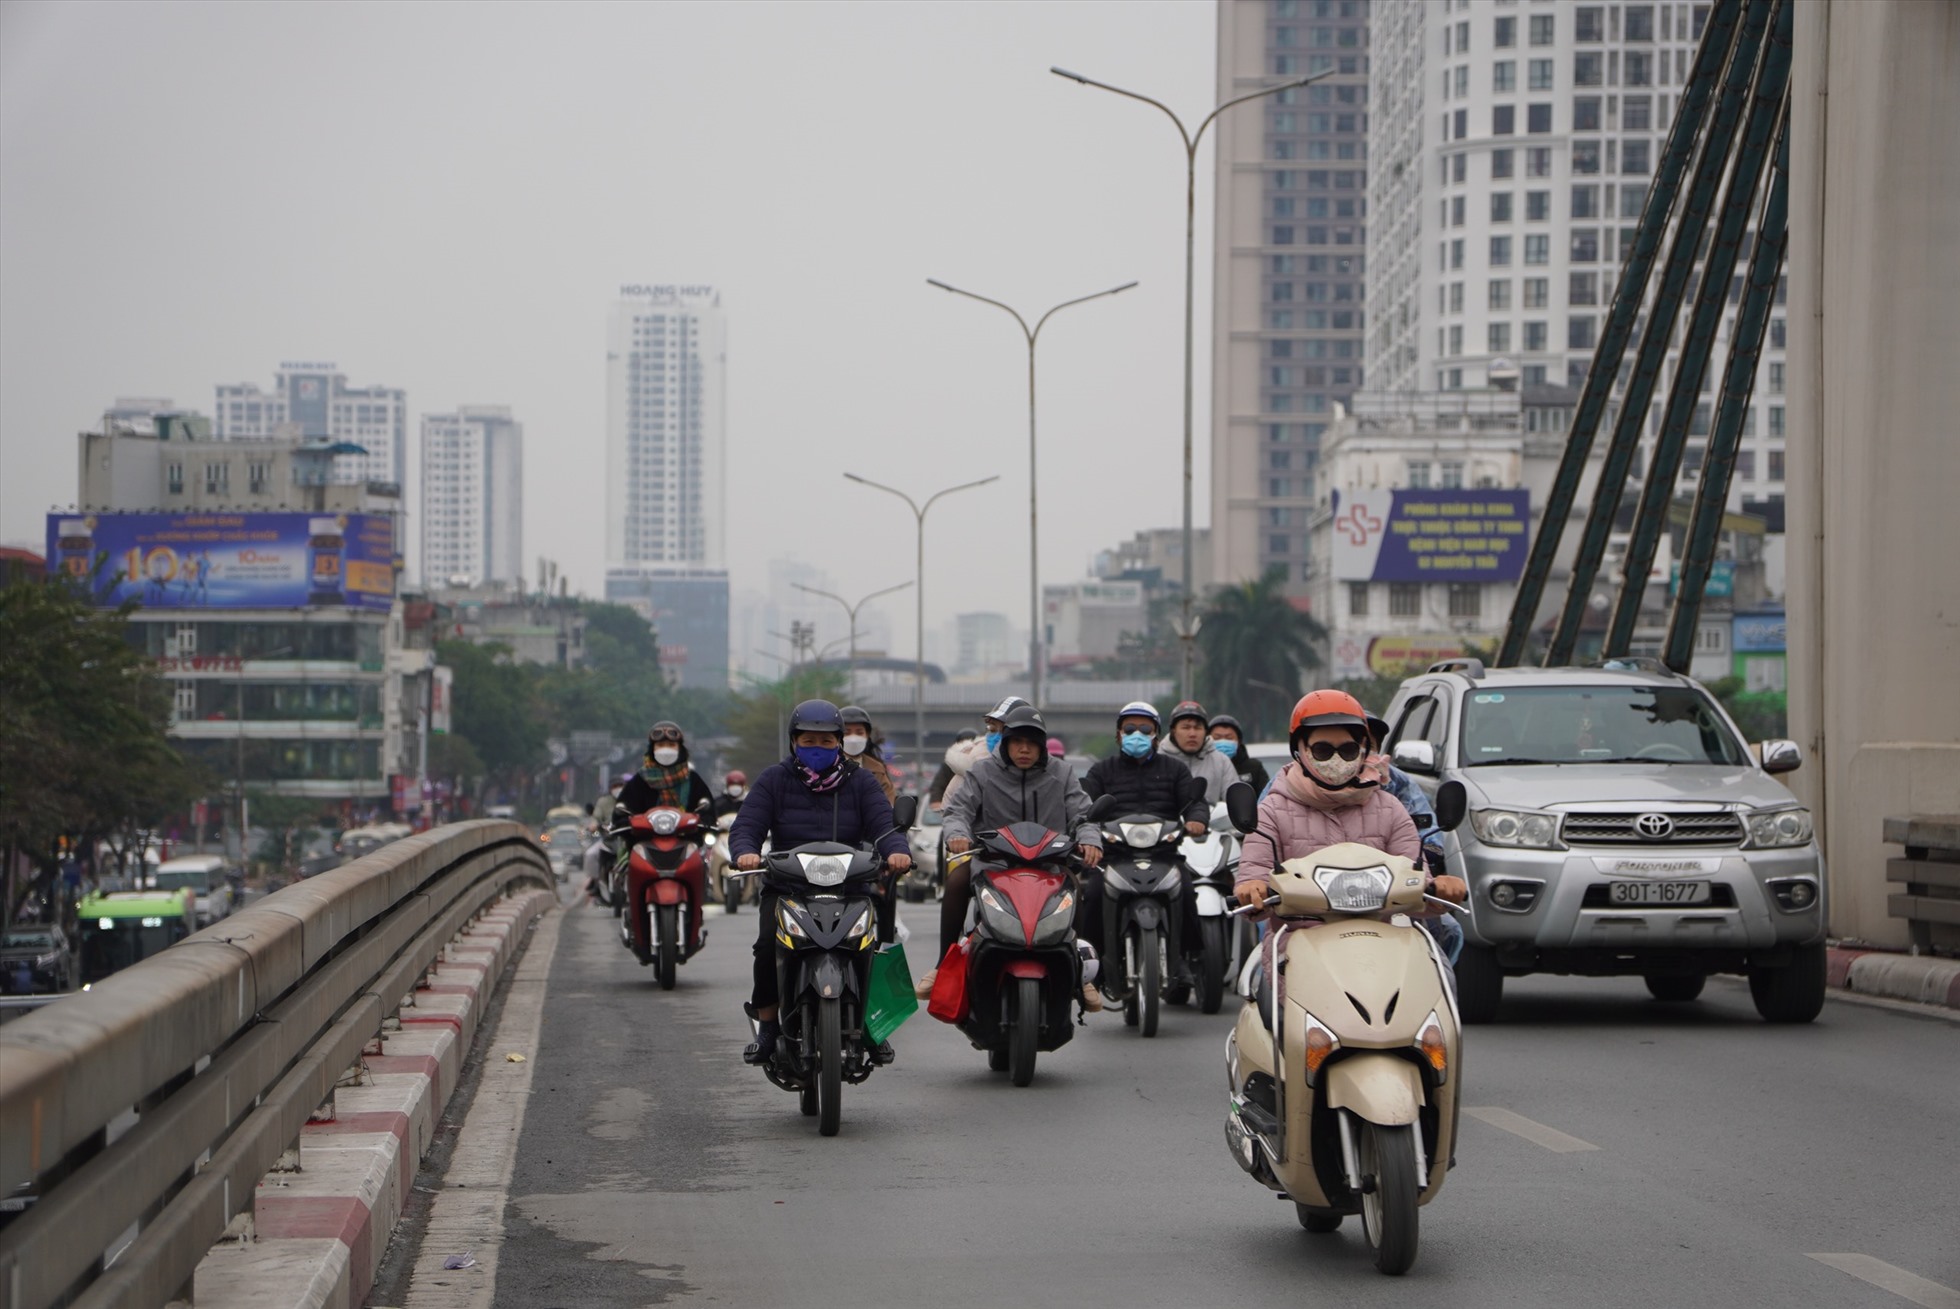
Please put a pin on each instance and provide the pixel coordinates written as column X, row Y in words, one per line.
column 318, row 1233
column 1919, row 979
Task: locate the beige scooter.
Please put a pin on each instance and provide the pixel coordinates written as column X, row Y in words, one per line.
column 1346, row 1063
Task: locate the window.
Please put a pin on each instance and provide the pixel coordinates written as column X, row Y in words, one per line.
column 217, row 479
column 1635, row 157
column 1776, row 465
column 1776, row 421
column 1639, row 22
column 1585, row 157
column 1538, row 119
column 1632, row 200
column 1450, row 474
column 1456, row 339
column 1776, row 333
column 1419, row 475
column 1534, row 338
column 1745, row 465
column 176, row 476
column 1283, row 235
column 258, row 475
column 1499, row 295
column 1462, row 80
column 1504, row 33
column 1538, row 161
column 1279, row 544
column 1456, row 253
column 1585, row 245
column 1583, row 289
column 1580, row 333
column 1404, row 599
column 1776, row 379
column 1542, row 29
column 1639, row 68
column 1500, row 164
column 1466, row 600
column 1357, row 599
column 1537, row 206
column 1541, row 75
column 1456, row 211
column 1456, row 297
column 1537, row 249
column 1497, row 338
column 1585, row 200
column 1500, row 206
column 1462, row 119
column 1503, row 120
column 1636, row 113
column 1500, row 252
column 1504, row 75
column 1585, row 113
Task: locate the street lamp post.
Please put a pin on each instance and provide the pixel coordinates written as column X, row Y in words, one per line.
column 850, row 684
column 1187, row 629
column 1034, row 539
column 919, row 607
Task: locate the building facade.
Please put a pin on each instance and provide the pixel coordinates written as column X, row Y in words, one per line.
column 314, row 400
column 472, row 497
column 688, row 608
column 1086, row 621
column 1290, row 256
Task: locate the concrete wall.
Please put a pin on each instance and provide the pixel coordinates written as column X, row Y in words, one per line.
column 1874, row 469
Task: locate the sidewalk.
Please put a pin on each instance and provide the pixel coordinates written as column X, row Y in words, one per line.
column 1922, row 979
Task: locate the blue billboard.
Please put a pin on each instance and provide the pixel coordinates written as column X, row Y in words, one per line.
column 1431, row 535
column 228, row 560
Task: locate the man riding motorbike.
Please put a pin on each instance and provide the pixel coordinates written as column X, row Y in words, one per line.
column 1018, row 783
column 1143, row 780
column 861, row 749
column 975, row 751
column 1192, row 747
column 1228, row 738
column 595, row 853
column 810, row 795
column 733, row 788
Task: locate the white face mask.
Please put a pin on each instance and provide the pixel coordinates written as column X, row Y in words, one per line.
column 667, row 756
column 1335, row 772
column 855, row 745
column 735, row 792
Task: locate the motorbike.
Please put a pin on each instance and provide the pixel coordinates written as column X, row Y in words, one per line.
column 1346, row 1064
column 666, row 882
column 1222, row 943
column 1142, row 903
column 1023, row 971
column 724, row 888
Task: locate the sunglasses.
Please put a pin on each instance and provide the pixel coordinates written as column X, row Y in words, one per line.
column 1322, row 751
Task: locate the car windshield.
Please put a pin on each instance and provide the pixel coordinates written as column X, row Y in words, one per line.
column 1595, row 725
column 24, row 940
column 176, row 879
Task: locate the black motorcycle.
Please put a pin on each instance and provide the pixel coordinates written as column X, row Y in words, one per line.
column 1143, row 906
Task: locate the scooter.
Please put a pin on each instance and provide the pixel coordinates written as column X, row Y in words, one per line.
column 726, row 889
column 1143, row 895
column 1346, row 1065
column 1213, row 861
column 666, row 884
column 1023, row 971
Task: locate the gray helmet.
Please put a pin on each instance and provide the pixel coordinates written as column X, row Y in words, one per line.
column 1026, row 719
column 850, row 713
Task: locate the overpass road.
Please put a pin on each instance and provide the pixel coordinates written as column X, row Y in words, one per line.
column 1615, row 1151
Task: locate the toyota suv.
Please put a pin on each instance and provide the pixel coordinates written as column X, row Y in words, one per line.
column 1618, row 825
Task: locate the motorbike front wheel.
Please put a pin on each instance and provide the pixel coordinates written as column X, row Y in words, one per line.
column 1388, row 1213
column 731, row 892
column 830, row 1065
column 1146, row 947
column 667, row 956
column 1026, row 1034
column 1211, row 967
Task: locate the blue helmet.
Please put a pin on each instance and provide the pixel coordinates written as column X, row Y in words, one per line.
column 815, row 716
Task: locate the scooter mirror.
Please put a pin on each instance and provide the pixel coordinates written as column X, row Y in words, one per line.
column 1452, row 803
column 1102, row 809
column 905, row 811
column 1242, row 806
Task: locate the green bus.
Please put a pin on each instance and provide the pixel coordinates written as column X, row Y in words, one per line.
column 120, row 928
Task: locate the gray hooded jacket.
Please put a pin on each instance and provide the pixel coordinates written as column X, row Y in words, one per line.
column 995, row 793
column 1208, row 766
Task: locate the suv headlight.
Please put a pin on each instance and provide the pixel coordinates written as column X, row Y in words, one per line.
column 1521, row 829
column 1776, row 829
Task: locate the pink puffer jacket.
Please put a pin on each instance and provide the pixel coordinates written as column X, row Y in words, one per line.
column 1297, row 828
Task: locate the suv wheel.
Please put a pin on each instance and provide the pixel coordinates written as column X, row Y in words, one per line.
column 1675, row 988
column 1479, row 984
column 1793, row 993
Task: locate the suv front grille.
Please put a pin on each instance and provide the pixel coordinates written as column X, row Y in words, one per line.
column 1621, row 829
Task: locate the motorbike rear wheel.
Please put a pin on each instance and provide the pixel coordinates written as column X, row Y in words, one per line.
column 830, row 1065
column 1146, row 976
column 1025, row 1036
column 667, row 954
column 1211, row 965
column 1388, row 1213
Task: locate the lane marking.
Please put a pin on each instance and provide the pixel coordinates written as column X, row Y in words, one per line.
column 1536, row 1133
column 467, row 1215
column 1886, row 1277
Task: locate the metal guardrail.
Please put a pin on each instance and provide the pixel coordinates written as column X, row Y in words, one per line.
column 224, row 1045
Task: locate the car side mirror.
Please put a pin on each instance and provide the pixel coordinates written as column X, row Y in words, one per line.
column 1415, row 756
column 1780, row 756
column 1452, row 803
column 905, row 811
column 1242, row 806
column 1101, row 810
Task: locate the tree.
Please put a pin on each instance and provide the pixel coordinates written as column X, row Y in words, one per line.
column 760, row 715
column 1256, row 648
column 495, row 709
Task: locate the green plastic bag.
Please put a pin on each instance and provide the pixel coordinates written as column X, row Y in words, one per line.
column 891, row 1001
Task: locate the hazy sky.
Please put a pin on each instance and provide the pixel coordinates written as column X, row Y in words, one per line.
column 445, row 197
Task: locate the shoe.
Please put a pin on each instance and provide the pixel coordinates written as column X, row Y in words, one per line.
column 1092, row 1001
column 882, row 1053
column 924, row 989
column 763, row 1048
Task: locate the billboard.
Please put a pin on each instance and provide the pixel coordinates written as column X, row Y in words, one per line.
column 1431, row 536
column 229, row 560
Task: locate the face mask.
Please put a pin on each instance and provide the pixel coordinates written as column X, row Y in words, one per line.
column 817, row 758
column 993, row 742
column 1226, row 748
column 1334, row 772
column 1137, row 744
column 854, row 745
column 735, row 792
column 667, row 756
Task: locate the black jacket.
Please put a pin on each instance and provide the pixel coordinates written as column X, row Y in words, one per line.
column 726, row 804
column 636, row 797
column 1250, row 770
column 1158, row 785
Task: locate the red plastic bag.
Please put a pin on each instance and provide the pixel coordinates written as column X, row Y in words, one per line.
column 948, row 1002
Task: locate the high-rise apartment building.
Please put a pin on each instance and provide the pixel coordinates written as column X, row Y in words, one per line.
column 1289, row 261
column 472, row 496
column 1511, row 150
column 317, row 402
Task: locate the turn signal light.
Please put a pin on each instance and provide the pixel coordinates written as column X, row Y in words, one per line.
column 1430, row 1042
column 1320, row 1044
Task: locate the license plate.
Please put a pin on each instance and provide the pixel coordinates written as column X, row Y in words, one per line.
column 1662, row 893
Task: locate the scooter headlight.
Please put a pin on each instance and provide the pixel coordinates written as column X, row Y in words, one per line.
column 1055, row 919
column 1354, row 890
column 1141, row 836
column 823, row 869
column 1434, row 1049
column 665, row 822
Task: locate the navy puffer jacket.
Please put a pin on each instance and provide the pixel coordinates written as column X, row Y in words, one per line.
column 781, row 809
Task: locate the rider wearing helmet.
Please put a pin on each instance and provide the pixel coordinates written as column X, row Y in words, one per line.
column 1192, row 747
column 666, row 779
column 734, row 787
column 812, row 794
column 595, row 853
column 936, row 794
column 861, row 749
column 975, row 751
column 1228, row 738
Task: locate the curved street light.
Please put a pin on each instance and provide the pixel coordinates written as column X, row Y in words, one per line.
column 850, row 685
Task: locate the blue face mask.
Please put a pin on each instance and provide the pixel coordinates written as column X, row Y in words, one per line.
column 1226, row 748
column 1137, row 744
column 817, row 758
column 993, row 743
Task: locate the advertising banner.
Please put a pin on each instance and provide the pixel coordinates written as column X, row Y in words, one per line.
column 1404, row 656
column 1431, row 536
column 1761, row 633
column 229, row 561
column 439, row 699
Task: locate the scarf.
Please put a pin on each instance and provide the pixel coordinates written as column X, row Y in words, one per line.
column 822, row 782
column 1309, row 791
column 667, row 782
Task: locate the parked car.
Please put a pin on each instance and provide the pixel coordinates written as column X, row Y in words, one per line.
column 35, row 958
column 925, row 837
column 1619, row 825
column 209, row 879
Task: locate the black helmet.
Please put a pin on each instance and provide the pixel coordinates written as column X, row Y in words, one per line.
column 1025, row 719
column 965, row 734
column 815, row 716
column 850, row 713
column 1225, row 720
column 1188, row 709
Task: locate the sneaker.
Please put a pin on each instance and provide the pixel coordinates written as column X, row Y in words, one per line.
column 882, row 1053
column 924, row 989
column 1092, row 1001
column 763, row 1048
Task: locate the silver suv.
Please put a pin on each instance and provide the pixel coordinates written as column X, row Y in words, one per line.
column 1618, row 825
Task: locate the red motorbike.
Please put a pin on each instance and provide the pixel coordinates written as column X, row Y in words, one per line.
column 666, row 885
column 1023, row 970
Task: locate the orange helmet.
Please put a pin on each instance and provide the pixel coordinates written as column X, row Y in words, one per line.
column 1328, row 708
